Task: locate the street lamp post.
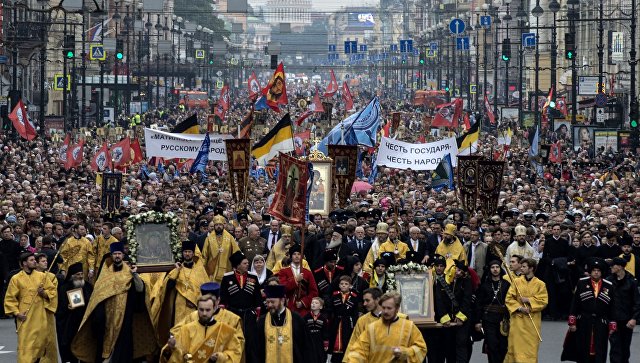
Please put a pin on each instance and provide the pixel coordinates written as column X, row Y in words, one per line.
column 537, row 13
column 485, row 7
column 573, row 14
column 554, row 7
column 116, row 19
column 521, row 15
column 158, row 28
column 128, row 22
column 148, row 26
column 507, row 17
column 165, row 29
column 496, row 65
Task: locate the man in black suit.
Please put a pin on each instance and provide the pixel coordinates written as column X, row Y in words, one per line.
column 434, row 238
column 272, row 235
column 361, row 244
column 418, row 246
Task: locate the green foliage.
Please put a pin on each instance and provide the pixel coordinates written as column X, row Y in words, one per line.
column 201, row 13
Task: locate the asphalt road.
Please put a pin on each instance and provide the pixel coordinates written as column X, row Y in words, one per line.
column 550, row 348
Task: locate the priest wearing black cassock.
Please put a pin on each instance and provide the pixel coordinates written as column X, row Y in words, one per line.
column 69, row 317
column 590, row 315
column 282, row 333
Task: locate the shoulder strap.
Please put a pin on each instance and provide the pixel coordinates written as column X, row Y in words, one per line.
column 447, row 290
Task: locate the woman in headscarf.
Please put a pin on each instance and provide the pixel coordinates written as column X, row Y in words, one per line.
column 258, row 267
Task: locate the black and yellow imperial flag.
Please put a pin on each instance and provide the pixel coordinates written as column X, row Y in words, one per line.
column 188, row 126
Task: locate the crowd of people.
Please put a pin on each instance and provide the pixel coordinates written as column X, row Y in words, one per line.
column 563, row 244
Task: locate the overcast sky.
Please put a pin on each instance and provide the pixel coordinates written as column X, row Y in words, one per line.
column 328, row 5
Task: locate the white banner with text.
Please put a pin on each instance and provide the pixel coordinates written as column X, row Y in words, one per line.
column 403, row 155
column 183, row 146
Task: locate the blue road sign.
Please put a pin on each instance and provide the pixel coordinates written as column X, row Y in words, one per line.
column 528, row 40
column 4, row 59
column 350, row 46
column 416, row 52
column 332, row 47
column 601, row 100
column 433, row 45
column 443, row 83
column 485, row 21
column 462, row 43
column 457, row 26
column 406, row 46
column 394, row 47
column 363, row 47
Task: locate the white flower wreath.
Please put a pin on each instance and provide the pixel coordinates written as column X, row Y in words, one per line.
column 156, row 218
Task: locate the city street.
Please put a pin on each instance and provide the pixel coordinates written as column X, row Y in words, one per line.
column 550, row 350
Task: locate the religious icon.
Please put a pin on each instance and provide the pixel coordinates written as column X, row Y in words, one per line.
column 342, row 165
column 293, row 176
column 239, row 159
column 76, row 298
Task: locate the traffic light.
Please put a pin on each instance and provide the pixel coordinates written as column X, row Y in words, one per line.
column 506, row 49
column 569, row 46
column 68, row 47
column 422, row 57
column 633, row 116
column 119, row 49
column 210, row 58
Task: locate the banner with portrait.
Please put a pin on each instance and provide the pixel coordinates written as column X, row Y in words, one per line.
column 290, row 202
column 489, row 185
column 345, row 162
column 238, row 159
column 111, row 186
column 468, row 182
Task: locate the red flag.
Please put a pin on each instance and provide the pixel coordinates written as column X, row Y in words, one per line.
column 21, row 122
column 346, row 97
column 136, row 152
column 121, row 153
column 254, row 86
column 276, row 90
column 303, row 117
column 555, row 153
column 386, row 129
column 62, row 153
column 562, row 106
column 467, row 123
column 224, row 97
column 246, row 124
column 422, row 139
column 298, row 141
column 447, row 114
column 74, row 155
column 332, row 87
column 488, row 110
column 316, row 106
column 101, row 161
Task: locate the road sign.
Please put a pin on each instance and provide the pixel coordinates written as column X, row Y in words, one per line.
column 528, row 40
column 363, row 47
column 457, row 26
column 462, row 43
column 588, row 85
column 406, row 46
column 350, row 46
column 485, row 21
column 4, row 59
column 96, row 52
column 416, row 51
column 473, row 88
column 443, row 83
column 394, row 47
column 432, row 53
column 219, row 84
column 59, row 82
column 433, row 45
column 601, row 100
column 332, row 48
column 199, row 53
column 600, row 115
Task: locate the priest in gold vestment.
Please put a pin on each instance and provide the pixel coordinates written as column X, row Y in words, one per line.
column 116, row 325
column 218, row 247
column 204, row 340
column 177, row 296
column 389, row 339
column 527, row 295
column 51, row 353
column 283, row 336
column 76, row 248
column 219, row 313
column 29, row 295
column 99, row 251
